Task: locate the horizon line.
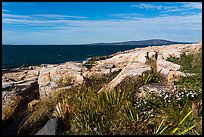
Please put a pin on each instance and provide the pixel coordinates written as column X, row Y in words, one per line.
column 109, row 42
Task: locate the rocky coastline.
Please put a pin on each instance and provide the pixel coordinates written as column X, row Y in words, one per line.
column 23, row 87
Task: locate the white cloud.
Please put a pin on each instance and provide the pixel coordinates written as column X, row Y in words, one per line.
column 67, row 31
column 183, row 6
column 58, row 16
column 14, row 16
column 4, row 10
column 147, row 6
column 127, row 16
column 28, row 20
column 42, row 16
column 193, row 5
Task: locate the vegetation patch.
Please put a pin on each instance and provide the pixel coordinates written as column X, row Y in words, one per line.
column 97, row 58
column 89, row 64
column 122, row 112
column 172, row 59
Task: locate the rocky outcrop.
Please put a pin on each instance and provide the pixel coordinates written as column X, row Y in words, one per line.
column 53, row 77
column 18, row 88
column 10, row 102
column 131, row 70
column 6, row 85
column 131, row 62
column 154, row 88
column 21, row 74
column 49, row 78
column 134, row 62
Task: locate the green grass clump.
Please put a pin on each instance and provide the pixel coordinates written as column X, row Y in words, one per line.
column 122, row 112
column 103, row 113
column 97, row 58
column 90, row 62
column 172, row 59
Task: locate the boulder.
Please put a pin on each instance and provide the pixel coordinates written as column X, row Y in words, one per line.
column 54, row 77
column 52, row 127
column 131, row 70
column 10, row 101
column 154, row 88
column 161, row 63
column 21, row 76
column 17, row 88
column 7, row 85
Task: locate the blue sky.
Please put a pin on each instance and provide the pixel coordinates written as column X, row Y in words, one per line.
column 91, row 22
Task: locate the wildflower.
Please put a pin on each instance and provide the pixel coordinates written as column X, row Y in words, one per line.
column 166, row 96
column 179, row 98
column 187, row 95
column 145, row 120
column 145, row 102
column 95, row 129
column 169, row 100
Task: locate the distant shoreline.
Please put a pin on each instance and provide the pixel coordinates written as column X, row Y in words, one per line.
column 136, row 43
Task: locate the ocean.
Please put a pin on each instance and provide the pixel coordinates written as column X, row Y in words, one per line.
column 15, row 56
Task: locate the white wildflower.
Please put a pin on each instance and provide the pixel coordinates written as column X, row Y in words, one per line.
column 166, row 96
column 187, row 94
column 145, row 102
column 95, row 129
column 179, row 98
column 169, row 100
